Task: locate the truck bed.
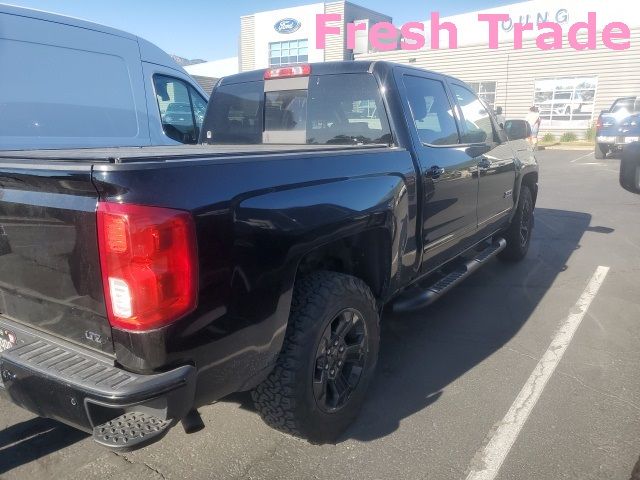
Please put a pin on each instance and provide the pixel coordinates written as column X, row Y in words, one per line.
column 167, row 153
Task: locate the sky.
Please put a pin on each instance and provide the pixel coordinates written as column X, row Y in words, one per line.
column 209, row 29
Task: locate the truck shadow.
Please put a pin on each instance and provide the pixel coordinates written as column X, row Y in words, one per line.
column 32, row 439
column 423, row 352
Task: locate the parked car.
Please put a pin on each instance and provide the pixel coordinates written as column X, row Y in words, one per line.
column 161, row 279
column 70, row 83
column 618, row 126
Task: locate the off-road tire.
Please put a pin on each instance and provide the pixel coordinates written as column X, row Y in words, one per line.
column 517, row 246
column 286, row 400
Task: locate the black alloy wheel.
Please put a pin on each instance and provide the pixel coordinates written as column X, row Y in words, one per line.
column 340, row 360
column 525, row 224
column 320, row 380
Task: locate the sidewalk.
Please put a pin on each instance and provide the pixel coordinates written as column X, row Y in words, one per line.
column 577, row 146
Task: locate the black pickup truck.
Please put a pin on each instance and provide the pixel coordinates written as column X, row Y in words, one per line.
column 138, row 284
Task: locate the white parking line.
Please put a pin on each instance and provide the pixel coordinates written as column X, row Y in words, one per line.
column 491, row 457
column 580, row 158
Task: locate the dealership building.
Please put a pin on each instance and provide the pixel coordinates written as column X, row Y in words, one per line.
column 570, row 87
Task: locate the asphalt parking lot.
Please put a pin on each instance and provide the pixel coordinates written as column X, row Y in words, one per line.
column 449, row 377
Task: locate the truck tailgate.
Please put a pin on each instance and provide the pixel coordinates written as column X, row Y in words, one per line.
column 49, row 262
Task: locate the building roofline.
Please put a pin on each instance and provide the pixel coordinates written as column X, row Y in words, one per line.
column 363, row 8
column 324, row 3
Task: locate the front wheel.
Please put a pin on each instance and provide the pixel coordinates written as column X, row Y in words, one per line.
column 328, row 358
column 518, row 235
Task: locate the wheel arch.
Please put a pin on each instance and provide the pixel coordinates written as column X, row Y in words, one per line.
column 531, row 180
column 365, row 255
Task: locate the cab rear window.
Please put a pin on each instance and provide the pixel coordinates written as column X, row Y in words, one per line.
column 235, row 114
column 630, row 105
column 335, row 110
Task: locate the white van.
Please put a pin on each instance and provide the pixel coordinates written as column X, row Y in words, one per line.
column 69, row 83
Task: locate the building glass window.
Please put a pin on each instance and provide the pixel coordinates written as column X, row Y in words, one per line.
column 566, row 102
column 287, row 53
column 486, row 91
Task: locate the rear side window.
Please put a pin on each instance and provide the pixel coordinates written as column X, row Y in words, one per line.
column 630, row 105
column 335, row 110
column 431, row 111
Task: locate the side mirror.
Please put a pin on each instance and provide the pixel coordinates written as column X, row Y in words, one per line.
column 517, row 129
column 630, row 168
column 499, row 110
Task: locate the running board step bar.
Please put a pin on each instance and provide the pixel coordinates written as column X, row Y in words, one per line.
column 131, row 431
column 422, row 298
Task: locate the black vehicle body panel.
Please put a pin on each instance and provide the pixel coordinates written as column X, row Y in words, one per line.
column 255, row 220
column 260, row 212
column 50, row 275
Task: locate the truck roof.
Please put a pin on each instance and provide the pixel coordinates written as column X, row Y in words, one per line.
column 327, row 68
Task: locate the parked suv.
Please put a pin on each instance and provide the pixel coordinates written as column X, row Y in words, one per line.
column 618, row 127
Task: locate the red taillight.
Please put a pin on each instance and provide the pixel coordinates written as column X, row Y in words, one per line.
column 287, row 72
column 599, row 122
column 149, row 264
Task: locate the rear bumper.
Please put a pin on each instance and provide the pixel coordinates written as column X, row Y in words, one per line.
column 617, row 141
column 85, row 389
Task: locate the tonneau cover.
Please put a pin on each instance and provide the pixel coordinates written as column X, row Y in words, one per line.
column 132, row 154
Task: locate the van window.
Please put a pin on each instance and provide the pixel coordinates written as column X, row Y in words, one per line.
column 199, row 107
column 53, row 92
column 431, row 111
column 180, row 109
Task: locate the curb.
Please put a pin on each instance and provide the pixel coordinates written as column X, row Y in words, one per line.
column 567, row 147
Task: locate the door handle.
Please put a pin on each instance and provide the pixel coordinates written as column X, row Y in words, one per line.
column 435, row 172
column 484, row 163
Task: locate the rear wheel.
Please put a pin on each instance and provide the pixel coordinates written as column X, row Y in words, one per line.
column 601, row 151
column 518, row 236
column 328, row 358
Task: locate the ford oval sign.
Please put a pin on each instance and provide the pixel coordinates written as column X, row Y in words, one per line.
column 287, row 25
